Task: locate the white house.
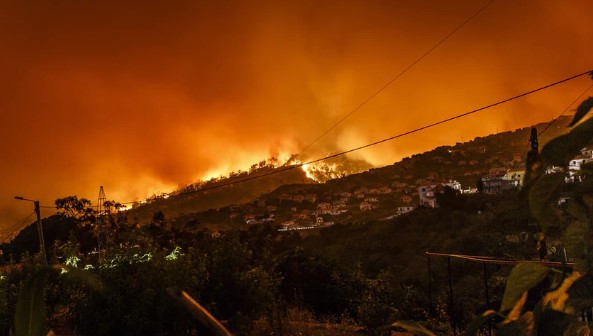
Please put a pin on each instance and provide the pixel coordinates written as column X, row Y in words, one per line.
column 578, row 161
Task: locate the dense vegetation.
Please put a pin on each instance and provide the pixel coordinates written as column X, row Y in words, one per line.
column 364, row 274
column 361, row 276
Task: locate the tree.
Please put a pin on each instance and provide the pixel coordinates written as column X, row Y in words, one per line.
column 77, row 208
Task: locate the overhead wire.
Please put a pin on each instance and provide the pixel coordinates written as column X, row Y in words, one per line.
column 401, row 73
column 278, row 171
column 17, row 227
column 499, row 261
column 301, row 164
column 566, row 109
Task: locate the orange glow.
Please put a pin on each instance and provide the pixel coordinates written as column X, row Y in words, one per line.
column 141, row 97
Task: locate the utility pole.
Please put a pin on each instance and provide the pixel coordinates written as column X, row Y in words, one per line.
column 104, row 232
column 533, row 140
column 39, row 227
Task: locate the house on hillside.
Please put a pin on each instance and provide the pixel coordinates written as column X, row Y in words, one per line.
column 587, row 151
column 427, row 195
column 453, row 184
column 578, row 161
column 324, row 206
column 406, row 199
column 497, row 184
column 365, row 206
column 404, row 209
column 515, row 174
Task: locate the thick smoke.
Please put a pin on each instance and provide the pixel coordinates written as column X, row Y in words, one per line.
column 143, row 96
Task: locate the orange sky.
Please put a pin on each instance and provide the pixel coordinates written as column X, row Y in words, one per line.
column 141, row 96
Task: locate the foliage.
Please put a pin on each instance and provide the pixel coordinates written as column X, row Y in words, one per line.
column 565, row 294
column 556, row 312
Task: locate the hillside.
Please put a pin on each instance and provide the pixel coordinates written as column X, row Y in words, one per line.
column 218, row 193
column 239, row 254
column 292, row 198
column 371, row 195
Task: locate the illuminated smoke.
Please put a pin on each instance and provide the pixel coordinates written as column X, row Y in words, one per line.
column 144, row 96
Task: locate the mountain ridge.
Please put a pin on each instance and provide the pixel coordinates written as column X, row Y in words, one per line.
column 465, row 162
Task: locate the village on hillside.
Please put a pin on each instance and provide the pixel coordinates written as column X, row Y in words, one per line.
column 395, row 190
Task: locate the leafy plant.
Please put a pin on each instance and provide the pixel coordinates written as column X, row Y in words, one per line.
column 556, row 312
column 565, row 293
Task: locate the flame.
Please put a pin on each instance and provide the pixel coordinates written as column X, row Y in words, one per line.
column 307, row 168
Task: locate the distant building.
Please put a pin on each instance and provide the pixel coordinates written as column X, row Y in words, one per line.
column 578, row 161
column 427, row 195
column 404, row 209
column 497, row 184
column 453, row 184
column 515, row 174
column 587, row 151
column 364, row 206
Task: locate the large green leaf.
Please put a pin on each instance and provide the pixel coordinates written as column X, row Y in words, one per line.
column 413, row 327
column 29, row 317
column 559, row 151
column 575, row 244
column 542, row 193
column 582, row 110
column 523, row 277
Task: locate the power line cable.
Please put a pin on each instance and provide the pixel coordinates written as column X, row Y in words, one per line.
column 499, row 261
column 384, row 140
column 18, row 226
column 21, row 222
column 278, row 171
column 401, row 73
column 566, row 109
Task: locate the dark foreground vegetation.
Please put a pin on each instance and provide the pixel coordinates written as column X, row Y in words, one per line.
column 359, row 277
column 260, row 281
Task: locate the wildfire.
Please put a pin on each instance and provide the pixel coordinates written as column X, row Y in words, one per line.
column 308, row 171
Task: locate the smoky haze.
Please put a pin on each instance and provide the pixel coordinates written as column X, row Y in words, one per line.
column 143, row 96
